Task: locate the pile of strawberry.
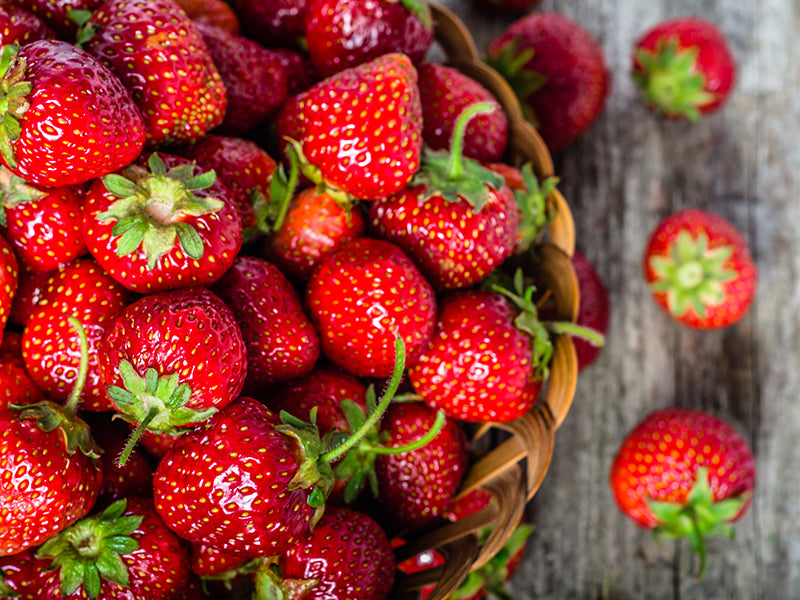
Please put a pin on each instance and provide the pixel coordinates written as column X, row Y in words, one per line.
column 215, row 248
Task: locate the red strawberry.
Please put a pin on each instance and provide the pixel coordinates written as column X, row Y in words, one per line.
column 158, row 53
column 217, row 13
column 172, row 359
column 20, row 27
column 281, row 342
column 43, row 224
column 684, row 68
column 684, row 473
column 30, row 288
column 50, row 477
column 303, row 75
column 123, row 553
column 353, row 138
column 346, row 556
column 50, row 347
column 594, row 310
column 700, row 270
column 359, row 296
column 22, row 576
column 558, row 71
column 68, row 118
column 345, row 33
column 241, row 165
column 315, row 225
column 57, row 13
column 16, row 386
column 9, row 276
column 416, row 487
column 164, row 227
column 254, row 78
column 272, row 23
column 457, row 220
column 445, row 92
column 207, row 561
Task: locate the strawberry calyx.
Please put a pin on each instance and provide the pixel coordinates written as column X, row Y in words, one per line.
column 51, row 416
column 155, row 402
column 271, row 212
column 14, row 102
column 14, row 190
column 532, row 203
column 698, row 517
column 314, row 174
column 153, row 208
column 510, row 61
column 90, row 550
column 452, row 175
column 271, row 585
column 669, row 80
column 5, row 590
column 692, row 276
column 421, row 10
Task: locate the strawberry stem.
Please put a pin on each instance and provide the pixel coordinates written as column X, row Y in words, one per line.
column 135, row 436
column 375, row 415
column 71, row 405
column 437, row 426
column 455, row 168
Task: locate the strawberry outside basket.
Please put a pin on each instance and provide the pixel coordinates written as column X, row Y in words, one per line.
column 510, row 460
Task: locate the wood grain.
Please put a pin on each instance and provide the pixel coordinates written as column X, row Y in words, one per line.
column 625, row 174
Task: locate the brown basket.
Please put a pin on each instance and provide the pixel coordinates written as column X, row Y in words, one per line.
column 512, row 469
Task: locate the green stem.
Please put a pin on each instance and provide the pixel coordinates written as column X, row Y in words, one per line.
column 71, row 405
column 375, row 415
column 699, row 546
column 438, row 425
column 455, row 166
column 294, row 171
column 135, row 436
column 590, row 335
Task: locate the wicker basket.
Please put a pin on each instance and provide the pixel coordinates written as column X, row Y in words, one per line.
column 513, row 467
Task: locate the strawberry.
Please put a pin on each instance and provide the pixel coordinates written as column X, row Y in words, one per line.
column 43, row 224
column 20, row 27
column 345, row 33
column 50, row 348
column 22, row 575
column 272, row 23
column 457, row 220
column 700, row 270
column 162, row 227
column 355, row 140
column 30, row 288
column 241, row 165
column 58, row 14
column 359, row 296
column 123, row 553
column 68, row 119
column 346, row 556
column 684, row 68
column 594, row 310
column 684, row 473
column 16, row 386
column 294, row 62
column 217, row 13
column 280, row 340
column 208, row 561
column 445, row 92
column 172, row 359
column 557, row 70
column 254, row 78
column 315, row 225
column 158, row 53
column 48, row 457
column 9, row 276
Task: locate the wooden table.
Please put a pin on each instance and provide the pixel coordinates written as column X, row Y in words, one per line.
column 621, row 178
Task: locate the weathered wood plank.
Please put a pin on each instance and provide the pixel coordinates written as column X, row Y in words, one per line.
column 625, row 174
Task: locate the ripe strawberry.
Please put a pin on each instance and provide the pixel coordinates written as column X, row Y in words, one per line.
column 57, row 13
column 30, row 287
column 20, row 27
column 457, row 220
column 207, row 561
column 16, row 386
column 9, row 276
column 281, row 342
column 684, row 473
column 359, row 296
column 303, row 75
column 272, row 23
column 241, row 165
column 22, row 575
column 68, row 119
column 217, row 13
column 158, row 53
column 342, row 33
column 172, row 359
column 123, row 553
column 163, row 227
column 362, row 144
column 50, row 347
column 315, row 225
column 700, row 270
column 445, row 92
column 558, row 72
column 50, row 477
column 43, row 224
column 684, row 68
column 346, row 556
column 594, row 310
column 254, row 78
